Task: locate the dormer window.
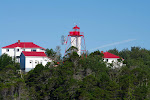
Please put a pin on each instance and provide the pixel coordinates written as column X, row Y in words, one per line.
column 7, row 50
column 33, row 50
column 17, row 50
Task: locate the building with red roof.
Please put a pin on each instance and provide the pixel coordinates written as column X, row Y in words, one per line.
column 111, row 58
column 27, row 54
column 14, row 50
column 110, row 55
column 29, row 60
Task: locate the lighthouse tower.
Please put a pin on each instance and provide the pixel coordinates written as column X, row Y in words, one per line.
column 77, row 40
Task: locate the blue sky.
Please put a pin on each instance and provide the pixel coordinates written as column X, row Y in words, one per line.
column 106, row 24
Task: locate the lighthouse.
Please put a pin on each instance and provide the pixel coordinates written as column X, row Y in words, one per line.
column 76, row 39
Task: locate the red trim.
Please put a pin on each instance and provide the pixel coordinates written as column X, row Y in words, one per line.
column 76, row 27
column 109, row 55
column 23, row 45
column 29, row 53
column 76, row 35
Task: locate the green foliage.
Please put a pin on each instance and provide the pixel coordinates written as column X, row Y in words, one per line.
column 79, row 78
column 12, row 86
column 55, row 55
column 114, row 51
column 5, row 60
column 96, row 53
column 50, row 52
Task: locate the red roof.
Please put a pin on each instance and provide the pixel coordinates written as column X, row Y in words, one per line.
column 76, row 27
column 32, row 53
column 110, row 55
column 23, row 45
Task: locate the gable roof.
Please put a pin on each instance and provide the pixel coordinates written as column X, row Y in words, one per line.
column 110, row 55
column 23, row 45
column 33, row 53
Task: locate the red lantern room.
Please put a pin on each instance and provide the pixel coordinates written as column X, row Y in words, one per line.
column 75, row 32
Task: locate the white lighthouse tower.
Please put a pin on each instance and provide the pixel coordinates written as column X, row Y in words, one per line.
column 77, row 40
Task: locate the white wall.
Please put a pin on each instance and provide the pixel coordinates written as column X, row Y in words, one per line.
column 73, row 41
column 26, row 49
column 13, row 52
column 17, row 51
column 115, row 62
column 110, row 60
column 40, row 50
column 30, row 49
column 76, row 42
column 10, row 52
column 79, row 45
column 34, row 61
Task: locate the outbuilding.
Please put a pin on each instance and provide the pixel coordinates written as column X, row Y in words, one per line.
column 29, row 60
column 112, row 59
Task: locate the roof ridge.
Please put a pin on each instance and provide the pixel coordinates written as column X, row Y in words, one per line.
column 110, row 55
column 23, row 45
column 33, row 53
column 25, row 42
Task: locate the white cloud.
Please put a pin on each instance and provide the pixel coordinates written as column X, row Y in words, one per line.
column 112, row 44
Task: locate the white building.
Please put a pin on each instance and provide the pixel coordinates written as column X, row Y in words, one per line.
column 76, row 42
column 29, row 60
column 112, row 59
column 14, row 50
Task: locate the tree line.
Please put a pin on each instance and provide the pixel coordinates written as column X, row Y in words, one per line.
column 78, row 78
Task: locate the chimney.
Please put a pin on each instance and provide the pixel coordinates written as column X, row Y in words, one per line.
column 18, row 41
column 102, row 51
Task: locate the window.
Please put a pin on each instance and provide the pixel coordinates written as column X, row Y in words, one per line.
column 7, row 50
column 33, row 50
column 107, row 60
column 30, row 61
column 17, row 56
column 36, row 62
column 23, row 49
column 17, row 50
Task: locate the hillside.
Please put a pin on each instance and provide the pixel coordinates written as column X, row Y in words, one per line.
column 79, row 78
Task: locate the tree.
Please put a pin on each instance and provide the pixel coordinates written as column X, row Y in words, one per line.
column 5, row 60
column 58, row 54
column 50, row 53
column 114, row 51
column 80, row 78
